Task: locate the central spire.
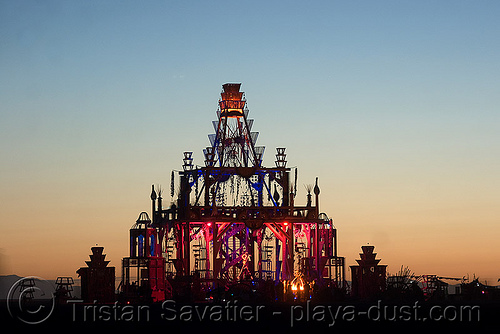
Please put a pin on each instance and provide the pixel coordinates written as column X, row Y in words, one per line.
column 233, row 144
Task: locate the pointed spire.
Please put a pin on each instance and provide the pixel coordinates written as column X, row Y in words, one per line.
column 153, row 193
column 316, row 188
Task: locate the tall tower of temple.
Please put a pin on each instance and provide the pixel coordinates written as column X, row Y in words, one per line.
column 368, row 277
column 233, row 144
column 97, row 279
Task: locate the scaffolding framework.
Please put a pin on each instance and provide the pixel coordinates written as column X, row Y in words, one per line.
column 234, row 220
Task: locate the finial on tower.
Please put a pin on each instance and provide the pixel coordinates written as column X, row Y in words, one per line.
column 316, row 188
column 153, row 193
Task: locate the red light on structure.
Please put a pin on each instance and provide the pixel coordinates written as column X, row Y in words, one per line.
column 285, row 224
column 209, row 224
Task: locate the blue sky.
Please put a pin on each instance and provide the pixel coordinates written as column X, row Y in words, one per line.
column 392, row 104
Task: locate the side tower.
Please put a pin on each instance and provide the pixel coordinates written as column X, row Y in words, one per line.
column 97, row 279
column 143, row 272
column 368, row 277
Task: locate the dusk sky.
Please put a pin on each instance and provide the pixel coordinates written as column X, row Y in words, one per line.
column 394, row 105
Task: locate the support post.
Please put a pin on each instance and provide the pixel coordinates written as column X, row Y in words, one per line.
column 207, row 245
column 187, row 248
column 317, row 250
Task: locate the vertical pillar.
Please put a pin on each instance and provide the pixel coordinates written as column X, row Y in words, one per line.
column 133, row 245
column 291, row 250
column 207, row 183
column 277, row 266
column 179, row 236
column 215, row 249
column 259, row 233
column 125, row 272
column 317, row 249
column 233, row 256
column 207, row 245
column 186, row 248
column 145, row 250
column 284, row 261
column 286, row 190
column 260, row 190
column 334, row 236
column 250, row 250
column 183, row 201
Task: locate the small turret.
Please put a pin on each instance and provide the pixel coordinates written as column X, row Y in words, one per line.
column 316, row 188
column 153, row 193
column 153, row 200
column 316, row 192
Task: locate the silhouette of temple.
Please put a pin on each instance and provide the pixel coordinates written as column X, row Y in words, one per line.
column 236, row 229
column 368, row 277
column 231, row 222
column 97, row 279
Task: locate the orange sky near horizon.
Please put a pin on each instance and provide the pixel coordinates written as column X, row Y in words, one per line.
column 392, row 105
column 428, row 238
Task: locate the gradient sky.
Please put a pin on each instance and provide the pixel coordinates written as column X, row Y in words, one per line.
column 394, row 105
